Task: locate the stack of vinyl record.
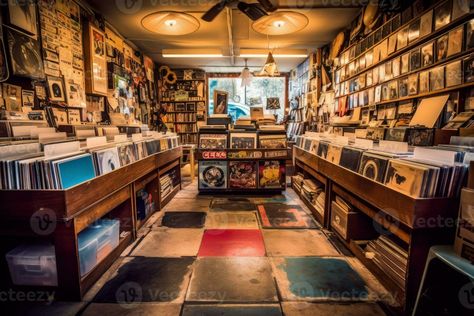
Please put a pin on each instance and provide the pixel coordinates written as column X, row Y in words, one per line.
column 390, row 258
column 298, row 181
column 166, row 186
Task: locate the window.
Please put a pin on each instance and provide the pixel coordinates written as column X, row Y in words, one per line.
column 242, row 98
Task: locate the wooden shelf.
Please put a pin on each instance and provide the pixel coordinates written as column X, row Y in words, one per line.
column 170, row 196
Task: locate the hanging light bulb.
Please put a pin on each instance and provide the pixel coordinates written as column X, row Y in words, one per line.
column 270, row 68
column 246, row 76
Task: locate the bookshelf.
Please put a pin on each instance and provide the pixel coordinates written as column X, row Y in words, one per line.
column 112, row 195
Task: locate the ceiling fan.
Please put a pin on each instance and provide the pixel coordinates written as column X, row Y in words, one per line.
column 253, row 10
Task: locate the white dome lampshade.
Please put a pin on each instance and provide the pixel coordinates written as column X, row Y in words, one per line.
column 170, row 23
column 270, row 68
column 246, row 76
column 281, row 23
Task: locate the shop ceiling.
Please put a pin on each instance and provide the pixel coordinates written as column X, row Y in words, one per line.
column 230, row 31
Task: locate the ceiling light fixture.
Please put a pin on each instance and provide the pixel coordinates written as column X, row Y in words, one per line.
column 170, row 23
column 281, row 23
column 270, row 68
column 191, row 53
column 246, row 76
column 280, row 53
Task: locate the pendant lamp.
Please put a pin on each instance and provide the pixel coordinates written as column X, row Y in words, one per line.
column 270, row 68
column 246, row 76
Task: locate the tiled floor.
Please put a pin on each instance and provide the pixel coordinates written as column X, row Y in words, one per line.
column 210, row 256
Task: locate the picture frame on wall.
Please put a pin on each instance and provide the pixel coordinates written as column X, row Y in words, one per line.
column 96, row 61
column 22, row 14
column 427, row 54
column 414, row 31
column 424, row 82
column 56, row 89
column 455, row 38
column 469, row 69
column 470, row 34
column 453, row 74
column 413, row 84
column 220, row 102
column 415, row 59
column 426, row 23
column 460, row 8
column 442, row 15
column 442, row 47
column 437, row 78
column 25, row 56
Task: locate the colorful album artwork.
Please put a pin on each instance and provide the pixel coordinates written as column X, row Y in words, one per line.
column 243, row 174
column 271, row 174
column 107, row 160
column 212, row 174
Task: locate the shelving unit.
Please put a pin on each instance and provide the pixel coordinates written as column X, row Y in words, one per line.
column 412, row 221
column 71, row 211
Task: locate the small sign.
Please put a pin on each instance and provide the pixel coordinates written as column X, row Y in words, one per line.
column 214, row 155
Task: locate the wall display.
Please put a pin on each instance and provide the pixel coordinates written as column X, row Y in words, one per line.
column 22, row 14
column 405, row 63
column 414, row 31
column 373, row 166
column 56, row 89
column 243, row 140
column 272, row 141
column 220, row 102
column 442, row 15
column 392, row 43
column 442, row 48
column 96, row 61
column 273, row 103
column 25, row 55
column 413, row 84
column 213, row 141
column 271, row 174
column 437, row 78
column 453, row 74
column 403, row 87
column 243, row 174
column 27, row 99
column 59, row 115
column 396, row 134
column 426, row 23
column 75, row 95
column 470, row 34
column 402, row 38
column 212, row 174
column 469, row 69
column 455, row 41
column 74, row 116
column 393, row 90
column 12, row 96
column 427, row 54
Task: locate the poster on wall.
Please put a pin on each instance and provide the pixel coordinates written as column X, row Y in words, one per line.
column 25, row 55
column 97, row 62
column 22, row 14
column 212, row 174
column 149, row 68
column 220, row 102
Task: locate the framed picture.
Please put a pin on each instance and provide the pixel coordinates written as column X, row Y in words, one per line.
column 424, row 82
column 273, row 103
column 393, row 89
column 403, row 87
column 405, row 63
column 402, row 38
column 437, row 78
column 442, row 15
column 426, row 23
column 4, row 73
column 396, row 67
column 75, row 95
column 96, row 61
column 413, row 84
column 220, row 102
column 469, row 69
column 470, row 34
column 453, row 74
column 56, row 89
column 442, row 47
column 460, row 8
column 12, row 96
column 455, row 41
column 415, row 59
column 414, row 31
column 427, row 54
column 27, row 98
column 22, row 14
column 25, row 55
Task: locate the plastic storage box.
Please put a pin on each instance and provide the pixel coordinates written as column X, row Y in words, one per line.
column 33, row 265
column 96, row 242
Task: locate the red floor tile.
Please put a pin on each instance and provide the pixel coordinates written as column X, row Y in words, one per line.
column 232, row 243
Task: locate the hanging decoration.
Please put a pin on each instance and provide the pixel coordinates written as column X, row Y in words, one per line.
column 246, row 76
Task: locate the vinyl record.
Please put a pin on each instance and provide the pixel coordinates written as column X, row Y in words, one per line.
column 109, row 161
column 213, row 176
column 25, row 55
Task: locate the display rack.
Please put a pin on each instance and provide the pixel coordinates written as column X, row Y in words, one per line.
column 412, row 221
column 71, row 211
column 259, row 156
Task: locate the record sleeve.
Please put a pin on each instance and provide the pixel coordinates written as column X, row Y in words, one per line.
column 127, row 154
column 396, row 134
column 373, row 166
column 243, row 140
column 273, row 141
column 243, row 174
column 212, row 141
column 212, row 174
column 406, row 178
column 74, row 170
column 107, row 160
column 323, row 149
column 350, row 158
column 271, row 174
column 25, row 55
column 334, row 153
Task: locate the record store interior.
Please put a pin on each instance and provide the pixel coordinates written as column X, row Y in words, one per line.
column 237, row 157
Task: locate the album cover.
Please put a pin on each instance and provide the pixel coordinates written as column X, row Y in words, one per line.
column 420, row 136
column 387, row 73
column 25, row 55
column 22, row 14
column 12, row 97
column 212, row 174
column 127, row 154
column 392, row 43
column 272, row 141
column 403, row 87
column 426, row 23
column 414, row 31
column 406, row 178
column 405, row 108
column 385, row 92
column 350, row 158
column 437, row 78
column 74, row 170
column 470, row 34
column 140, row 148
column 375, row 133
column 455, row 41
column 442, row 15
column 460, row 8
column 323, row 149
column 442, row 47
column 469, row 69
column 373, row 166
column 453, row 74
column 243, row 140
column 243, row 174
column 424, row 82
column 212, row 141
column 334, row 153
column 396, row 134
column 27, row 99
column 56, row 89
column 307, row 144
column 413, row 84
column 107, row 160
column 271, row 174
column 427, row 54
column 393, row 89
column 391, row 111
column 152, row 146
column 402, row 38
column 415, row 59
column 405, row 63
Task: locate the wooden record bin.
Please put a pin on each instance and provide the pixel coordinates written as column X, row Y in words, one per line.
column 63, row 214
column 417, row 223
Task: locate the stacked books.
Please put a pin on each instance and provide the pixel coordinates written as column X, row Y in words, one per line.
column 390, row 258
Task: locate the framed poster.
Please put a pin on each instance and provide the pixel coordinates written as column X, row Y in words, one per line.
column 22, row 14
column 220, row 102
column 212, row 174
column 25, row 55
column 56, row 89
column 96, row 61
